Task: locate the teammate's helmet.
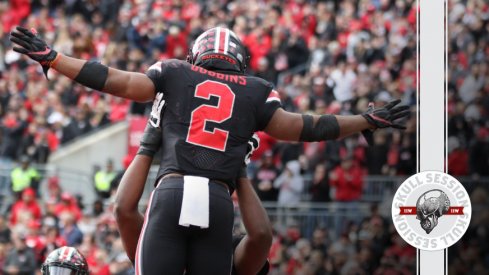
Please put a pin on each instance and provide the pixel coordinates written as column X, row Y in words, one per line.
column 219, row 48
column 65, row 261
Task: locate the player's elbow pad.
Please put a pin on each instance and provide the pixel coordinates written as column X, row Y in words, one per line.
column 326, row 128
column 93, row 75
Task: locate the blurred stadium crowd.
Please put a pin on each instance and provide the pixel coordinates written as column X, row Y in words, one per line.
column 322, row 56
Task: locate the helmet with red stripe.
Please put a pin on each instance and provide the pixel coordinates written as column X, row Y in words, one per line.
column 65, row 261
column 219, row 48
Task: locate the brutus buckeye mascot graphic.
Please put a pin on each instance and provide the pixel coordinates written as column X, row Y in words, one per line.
column 430, row 206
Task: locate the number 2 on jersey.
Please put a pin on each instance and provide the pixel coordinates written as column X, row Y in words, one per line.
column 197, row 134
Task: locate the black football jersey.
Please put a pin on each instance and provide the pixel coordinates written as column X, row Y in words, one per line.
column 208, row 118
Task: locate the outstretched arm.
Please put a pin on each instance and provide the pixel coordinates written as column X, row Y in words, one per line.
column 129, row 219
column 297, row 127
column 251, row 253
column 288, row 126
column 130, row 85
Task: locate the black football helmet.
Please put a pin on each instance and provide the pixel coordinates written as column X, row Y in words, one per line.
column 219, row 48
column 65, row 261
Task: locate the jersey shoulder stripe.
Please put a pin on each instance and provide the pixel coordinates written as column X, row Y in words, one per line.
column 273, row 96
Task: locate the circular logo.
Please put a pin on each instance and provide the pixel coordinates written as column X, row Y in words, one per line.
column 431, row 210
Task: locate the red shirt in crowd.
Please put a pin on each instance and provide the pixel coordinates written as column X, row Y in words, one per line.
column 458, row 163
column 16, row 11
column 348, row 182
column 275, row 253
column 259, row 45
column 119, row 109
column 68, row 204
column 35, row 241
column 98, row 268
column 175, row 43
column 97, row 265
column 27, row 205
column 68, row 207
column 401, row 251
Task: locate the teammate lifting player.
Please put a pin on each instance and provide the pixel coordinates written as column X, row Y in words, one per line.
column 249, row 252
column 211, row 110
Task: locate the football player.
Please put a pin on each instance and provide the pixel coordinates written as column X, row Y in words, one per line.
column 212, row 109
column 250, row 251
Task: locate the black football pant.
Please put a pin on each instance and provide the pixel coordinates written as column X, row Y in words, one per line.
column 165, row 247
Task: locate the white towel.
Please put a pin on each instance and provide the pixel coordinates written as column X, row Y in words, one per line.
column 195, row 202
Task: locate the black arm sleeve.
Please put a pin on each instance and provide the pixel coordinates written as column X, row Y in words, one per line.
column 326, row 128
column 93, row 75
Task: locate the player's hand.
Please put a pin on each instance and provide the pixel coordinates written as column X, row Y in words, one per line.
column 384, row 117
column 253, row 144
column 29, row 43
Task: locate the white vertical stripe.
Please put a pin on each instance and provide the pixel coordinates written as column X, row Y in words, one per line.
column 217, row 37
column 431, row 109
column 417, row 86
column 446, row 109
column 446, row 89
column 226, row 42
column 63, row 252
column 432, row 85
column 70, row 254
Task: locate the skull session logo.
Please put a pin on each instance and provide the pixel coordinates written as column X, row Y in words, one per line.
column 428, row 210
column 431, row 210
